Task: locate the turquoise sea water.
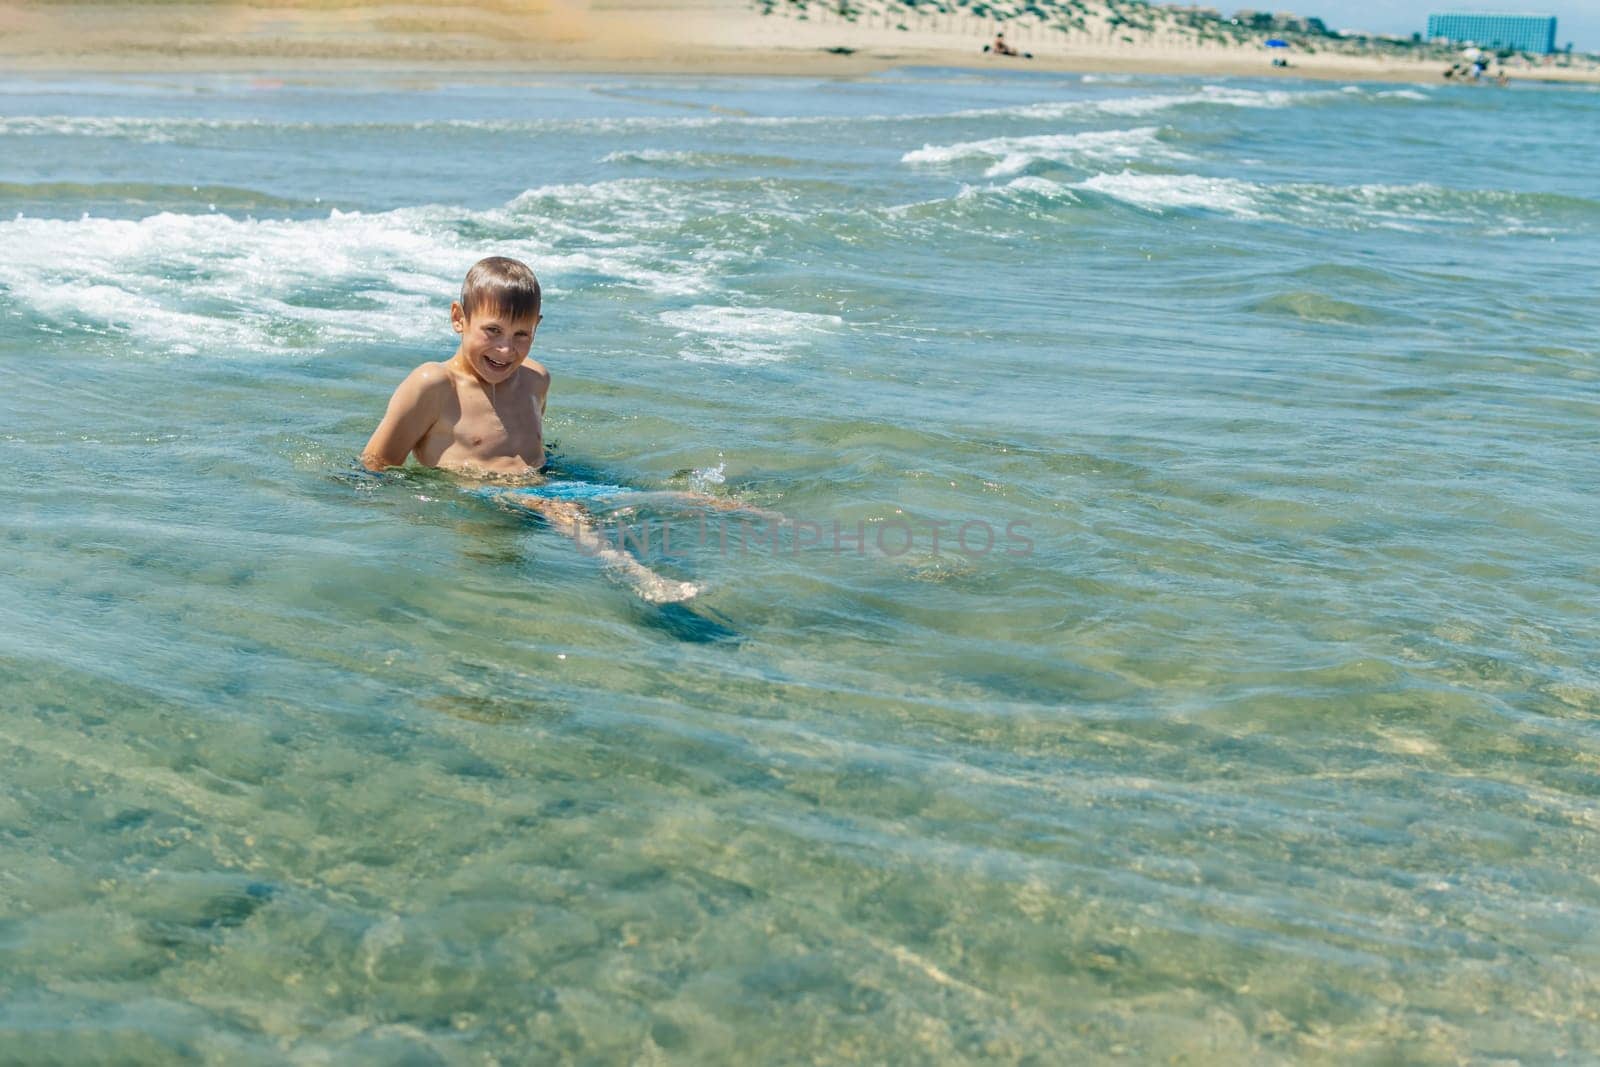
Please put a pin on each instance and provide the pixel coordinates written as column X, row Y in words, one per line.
column 1265, row 731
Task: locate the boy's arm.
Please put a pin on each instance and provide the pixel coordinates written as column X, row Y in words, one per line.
column 541, row 383
column 413, row 410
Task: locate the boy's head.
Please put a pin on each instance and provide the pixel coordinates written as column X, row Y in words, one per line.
column 496, row 317
column 502, row 285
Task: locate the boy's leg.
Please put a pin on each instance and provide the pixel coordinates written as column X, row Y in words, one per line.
column 573, row 521
column 714, row 503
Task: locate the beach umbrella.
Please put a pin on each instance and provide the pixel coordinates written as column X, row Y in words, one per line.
column 1471, row 53
column 1275, row 43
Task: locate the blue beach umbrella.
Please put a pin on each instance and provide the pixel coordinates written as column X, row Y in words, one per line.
column 1275, row 43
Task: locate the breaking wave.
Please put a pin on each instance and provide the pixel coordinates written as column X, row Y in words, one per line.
column 1013, row 155
column 746, row 334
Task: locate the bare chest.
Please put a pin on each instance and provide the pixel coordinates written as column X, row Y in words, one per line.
column 492, row 431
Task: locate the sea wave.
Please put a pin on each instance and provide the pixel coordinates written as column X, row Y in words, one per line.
column 746, row 334
column 193, row 130
column 168, row 130
column 1158, row 192
column 1412, row 207
column 212, row 282
column 698, row 160
column 198, row 279
column 1385, row 94
column 146, row 195
column 201, row 279
column 624, row 210
column 190, row 282
column 175, row 130
column 1013, row 155
column 1207, row 96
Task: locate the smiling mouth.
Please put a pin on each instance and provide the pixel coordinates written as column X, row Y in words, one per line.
column 495, row 364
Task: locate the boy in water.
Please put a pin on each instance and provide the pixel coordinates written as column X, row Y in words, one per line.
column 481, row 412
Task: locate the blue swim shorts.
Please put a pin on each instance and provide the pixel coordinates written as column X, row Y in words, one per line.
column 558, row 489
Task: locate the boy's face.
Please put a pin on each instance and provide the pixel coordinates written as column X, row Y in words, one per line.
column 493, row 345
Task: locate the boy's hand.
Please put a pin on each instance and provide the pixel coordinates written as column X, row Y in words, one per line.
column 413, row 410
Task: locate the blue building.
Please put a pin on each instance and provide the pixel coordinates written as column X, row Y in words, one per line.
column 1525, row 33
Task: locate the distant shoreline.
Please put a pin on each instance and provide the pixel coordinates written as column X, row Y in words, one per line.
column 508, row 38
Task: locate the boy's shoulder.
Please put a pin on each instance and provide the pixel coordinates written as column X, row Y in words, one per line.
column 428, row 383
column 535, row 375
column 436, row 376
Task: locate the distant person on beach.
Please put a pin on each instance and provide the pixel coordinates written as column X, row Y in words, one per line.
column 454, row 415
column 1000, row 48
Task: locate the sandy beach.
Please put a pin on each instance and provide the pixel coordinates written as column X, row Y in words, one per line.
column 640, row 36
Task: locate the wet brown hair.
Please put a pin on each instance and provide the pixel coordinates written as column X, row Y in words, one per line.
column 502, row 285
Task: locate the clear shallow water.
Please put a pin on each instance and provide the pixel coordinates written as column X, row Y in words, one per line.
column 1273, row 737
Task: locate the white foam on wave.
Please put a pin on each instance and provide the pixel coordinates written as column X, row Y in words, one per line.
column 623, row 207
column 1214, row 95
column 169, row 129
column 187, row 283
column 1032, row 183
column 1386, row 94
column 702, row 160
column 1425, row 206
column 149, row 130
column 1158, row 192
column 1409, row 208
column 653, row 155
column 152, row 129
column 647, row 200
column 1134, row 106
column 1012, row 155
column 746, row 334
column 166, row 130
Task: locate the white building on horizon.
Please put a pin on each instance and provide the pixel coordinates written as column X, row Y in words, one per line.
column 1525, row 33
